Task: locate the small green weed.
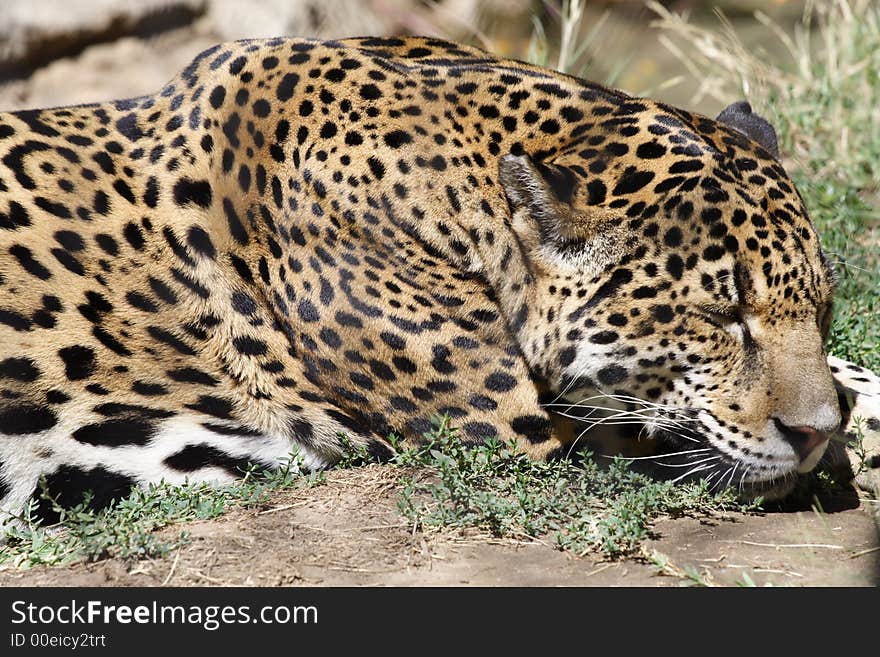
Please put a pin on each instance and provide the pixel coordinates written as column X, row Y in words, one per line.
column 689, row 575
column 857, row 444
column 575, row 505
column 746, row 582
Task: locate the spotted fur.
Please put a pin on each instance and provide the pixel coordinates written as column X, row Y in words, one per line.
column 295, row 241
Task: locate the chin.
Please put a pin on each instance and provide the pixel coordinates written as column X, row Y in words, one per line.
column 770, row 491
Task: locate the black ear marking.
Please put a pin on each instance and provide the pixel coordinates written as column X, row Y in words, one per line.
column 739, row 116
column 532, row 185
column 538, row 185
column 561, row 180
column 525, row 186
column 515, row 173
column 548, row 191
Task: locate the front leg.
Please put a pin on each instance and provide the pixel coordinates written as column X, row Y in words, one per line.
column 859, row 394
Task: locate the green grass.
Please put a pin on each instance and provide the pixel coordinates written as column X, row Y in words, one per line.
column 850, row 232
column 573, row 504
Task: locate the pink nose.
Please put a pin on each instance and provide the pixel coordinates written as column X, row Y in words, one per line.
column 808, row 440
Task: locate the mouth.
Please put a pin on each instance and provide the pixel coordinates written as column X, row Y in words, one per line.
column 692, row 455
column 677, row 463
column 688, row 445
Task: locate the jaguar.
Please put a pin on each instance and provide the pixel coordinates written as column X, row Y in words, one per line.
column 304, row 246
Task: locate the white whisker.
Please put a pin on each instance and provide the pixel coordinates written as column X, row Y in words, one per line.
column 691, row 472
column 689, row 465
column 662, row 456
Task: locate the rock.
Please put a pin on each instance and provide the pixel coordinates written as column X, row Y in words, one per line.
column 35, row 33
column 124, row 68
column 237, row 19
column 136, row 47
column 63, row 52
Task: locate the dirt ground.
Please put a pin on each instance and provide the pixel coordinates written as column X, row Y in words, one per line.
column 348, row 532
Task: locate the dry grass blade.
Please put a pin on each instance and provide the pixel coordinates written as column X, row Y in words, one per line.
column 812, row 93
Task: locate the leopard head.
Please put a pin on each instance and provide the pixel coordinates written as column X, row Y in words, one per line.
column 676, row 277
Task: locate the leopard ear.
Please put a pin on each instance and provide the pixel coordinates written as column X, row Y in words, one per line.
column 740, row 117
column 545, row 190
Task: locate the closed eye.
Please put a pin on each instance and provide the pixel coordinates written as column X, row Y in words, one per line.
column 722, row 315
column 731, row 319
